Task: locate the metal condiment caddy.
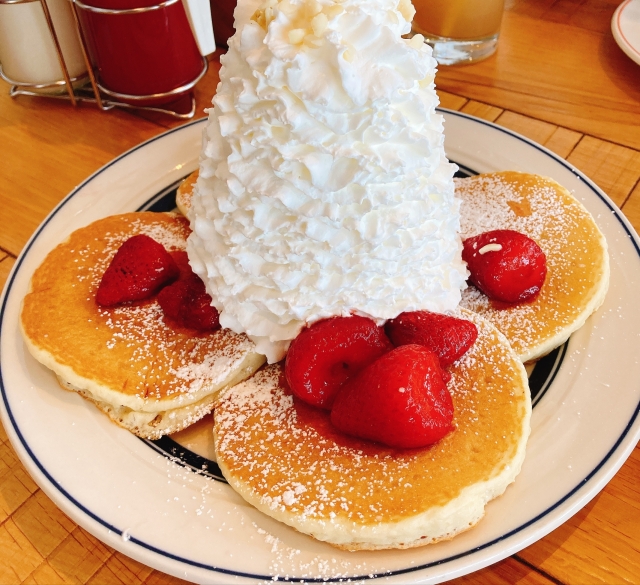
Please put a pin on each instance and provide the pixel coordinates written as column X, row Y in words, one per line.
column 86, row 87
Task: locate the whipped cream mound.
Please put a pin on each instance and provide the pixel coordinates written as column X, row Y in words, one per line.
column 324, row 188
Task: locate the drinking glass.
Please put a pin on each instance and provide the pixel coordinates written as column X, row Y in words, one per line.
column 460, row 31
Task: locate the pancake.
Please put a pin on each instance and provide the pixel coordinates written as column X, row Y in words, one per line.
column 286, row 459
column 576, row 251
column 184, row 192
column 149, row 377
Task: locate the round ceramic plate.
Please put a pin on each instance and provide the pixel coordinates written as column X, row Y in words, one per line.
column 160, row 511
column 625, row 26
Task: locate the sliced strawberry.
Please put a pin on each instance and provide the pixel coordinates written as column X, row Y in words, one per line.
column 187, row 302
column 505, row 265
column 446, row 336
column 140, row 267
column 181, row 258
column 400, row 400
column 328, row 353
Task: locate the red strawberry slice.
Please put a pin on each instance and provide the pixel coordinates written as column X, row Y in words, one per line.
column 400, row 400
column 140, row 267
column 328, row 353
column 505, row 265
column 181, row 258
column 186, row 301
column 446, row 336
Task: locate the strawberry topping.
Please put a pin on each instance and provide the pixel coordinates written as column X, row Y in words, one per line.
column 186, row 301
column 505, row 265
column 181, row 258
column 446, row 336
column 140, row 267
column 328, row 353
column 399, row 400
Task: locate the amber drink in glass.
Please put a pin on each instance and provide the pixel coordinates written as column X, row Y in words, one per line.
column 460, row 31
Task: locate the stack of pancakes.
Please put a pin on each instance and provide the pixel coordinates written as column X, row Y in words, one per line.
column 283, row 456
column 149, row 377
column 576, row 252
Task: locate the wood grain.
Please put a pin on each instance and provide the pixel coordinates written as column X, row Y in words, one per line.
column 42, row 139
column 6, row 264
column 507, row 572
column 615, row 169
column 631, row 206
column 66, row 143
column 480, row 110
column 610, row 553
column 558, row 62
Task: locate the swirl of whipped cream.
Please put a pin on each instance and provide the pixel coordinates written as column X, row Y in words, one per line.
column 324, row 188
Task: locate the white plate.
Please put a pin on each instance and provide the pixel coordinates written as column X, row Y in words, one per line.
column 168, row 517
column 625, row 26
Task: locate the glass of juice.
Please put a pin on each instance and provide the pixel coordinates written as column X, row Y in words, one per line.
column 460, row 31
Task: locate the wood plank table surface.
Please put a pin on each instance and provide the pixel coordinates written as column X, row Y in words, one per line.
column 558, row 78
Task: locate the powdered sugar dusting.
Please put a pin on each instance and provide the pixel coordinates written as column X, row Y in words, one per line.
column 574, row 248
column 138, row 357
column 286, row 458
column 490, row 203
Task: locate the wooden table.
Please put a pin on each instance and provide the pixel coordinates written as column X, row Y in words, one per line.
column 558, row 78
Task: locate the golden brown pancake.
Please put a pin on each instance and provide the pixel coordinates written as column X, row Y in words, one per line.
column 148, row 376
column 287, row 460
column 184, row 192
column 577, row 257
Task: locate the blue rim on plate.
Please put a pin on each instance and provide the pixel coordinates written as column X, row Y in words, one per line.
column 161, row 201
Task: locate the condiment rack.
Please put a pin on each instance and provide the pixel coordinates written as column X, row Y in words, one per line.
column 86, row 87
